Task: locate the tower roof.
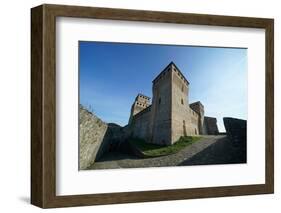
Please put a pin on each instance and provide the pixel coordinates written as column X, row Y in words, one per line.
column 170, row 65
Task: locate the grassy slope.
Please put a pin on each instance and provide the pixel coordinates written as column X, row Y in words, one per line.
column 153, row 150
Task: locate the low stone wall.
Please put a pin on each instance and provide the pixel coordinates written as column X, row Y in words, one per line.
column 236, row 129
column 98, row 138
column 92, row 133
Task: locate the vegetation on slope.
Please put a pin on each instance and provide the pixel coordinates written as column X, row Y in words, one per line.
column 154, row 150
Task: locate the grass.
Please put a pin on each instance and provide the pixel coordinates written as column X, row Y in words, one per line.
column 154, row 150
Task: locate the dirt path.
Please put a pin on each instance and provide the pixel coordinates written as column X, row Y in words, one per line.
column 217, row 147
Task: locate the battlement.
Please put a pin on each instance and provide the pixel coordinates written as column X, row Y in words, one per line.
column 170, row 68
column 144, row 105
column 141, row 102
column 142, row 97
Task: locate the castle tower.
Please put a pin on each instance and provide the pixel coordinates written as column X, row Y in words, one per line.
column 199, row 109
column 161, row 114
column 180, row 111
column 141, row 102
column 170, row 117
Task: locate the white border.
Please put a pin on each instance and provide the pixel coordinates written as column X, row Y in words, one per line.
column 70, row 181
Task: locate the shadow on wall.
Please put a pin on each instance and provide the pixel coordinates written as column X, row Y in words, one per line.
column 97, row 138
column 115, row 140
column 236, row 130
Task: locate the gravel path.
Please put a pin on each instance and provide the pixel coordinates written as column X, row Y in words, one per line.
column 118, row 160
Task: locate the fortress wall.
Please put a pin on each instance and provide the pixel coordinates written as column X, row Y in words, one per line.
column 141, row 102
column 195, row 121
column 210, row 124
column 90, row 142
column 181, row 126
column 136, row 108
column 198, row 108
column 161, row 109
column 142, row 99
column 141, row 124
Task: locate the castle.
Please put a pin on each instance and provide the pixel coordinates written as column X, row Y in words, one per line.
column 170, row 115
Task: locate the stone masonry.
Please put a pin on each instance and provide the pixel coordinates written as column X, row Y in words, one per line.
column 170, row 115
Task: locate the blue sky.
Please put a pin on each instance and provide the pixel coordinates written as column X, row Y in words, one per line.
column 112, row 74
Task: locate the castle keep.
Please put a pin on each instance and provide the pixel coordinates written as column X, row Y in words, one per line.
column 170, row 115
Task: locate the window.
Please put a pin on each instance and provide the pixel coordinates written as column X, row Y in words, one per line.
column 182, row 101
column 182, row 88
column 159, row 101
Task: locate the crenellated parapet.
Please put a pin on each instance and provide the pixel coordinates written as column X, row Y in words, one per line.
column 141, row 102
column 167, row 70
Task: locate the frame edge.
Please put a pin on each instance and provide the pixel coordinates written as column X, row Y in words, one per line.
column 43, row 144
column 269, row 73
column 37, row 197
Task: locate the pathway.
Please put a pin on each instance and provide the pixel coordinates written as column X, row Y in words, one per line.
column 217, row 148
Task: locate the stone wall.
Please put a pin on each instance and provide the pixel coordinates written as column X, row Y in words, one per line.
column 92, row 133
column 199, row 109
column 141, row 124
column 141, row 102
column 97, row 137
column 210, row 126
column 236, row 129
column 194, row 122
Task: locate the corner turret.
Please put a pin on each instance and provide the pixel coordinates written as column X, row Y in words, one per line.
column 141, row 102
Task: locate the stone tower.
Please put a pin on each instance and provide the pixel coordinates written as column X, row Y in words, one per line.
column 141, row 102
column 169, row 118
column 161, row 113
column 181, row 119
column 170, row 115
column 199, row 108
